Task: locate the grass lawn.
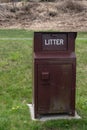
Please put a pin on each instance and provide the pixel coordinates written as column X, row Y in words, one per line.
column 16, row 84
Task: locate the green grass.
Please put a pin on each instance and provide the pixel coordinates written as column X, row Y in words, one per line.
column 15, row 33
column 16, row 84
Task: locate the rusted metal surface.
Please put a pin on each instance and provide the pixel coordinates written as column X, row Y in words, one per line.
column 54, row 73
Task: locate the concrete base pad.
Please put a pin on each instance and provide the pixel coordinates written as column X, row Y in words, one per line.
column 51, row 117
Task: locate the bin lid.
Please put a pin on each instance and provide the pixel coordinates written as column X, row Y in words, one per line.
column 53, row 42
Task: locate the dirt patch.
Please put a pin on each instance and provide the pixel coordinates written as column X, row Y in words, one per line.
column 71, row 6
column 65, row 15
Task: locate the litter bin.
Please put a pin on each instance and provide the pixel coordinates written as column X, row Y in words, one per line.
column 54, row 76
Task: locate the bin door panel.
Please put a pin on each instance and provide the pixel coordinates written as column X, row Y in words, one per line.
column 54, row 88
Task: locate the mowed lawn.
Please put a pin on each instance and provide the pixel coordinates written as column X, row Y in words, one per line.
column 16, row 84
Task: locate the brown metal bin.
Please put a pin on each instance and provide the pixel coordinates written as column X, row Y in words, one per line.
column 54, row 76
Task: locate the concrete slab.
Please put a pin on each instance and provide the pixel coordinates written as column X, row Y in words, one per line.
column 51, row 117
